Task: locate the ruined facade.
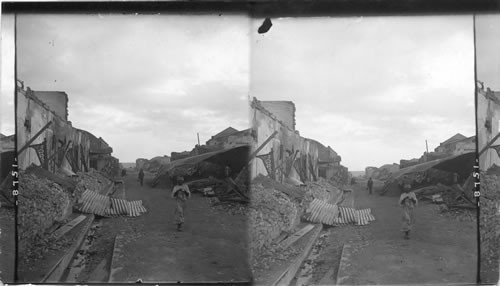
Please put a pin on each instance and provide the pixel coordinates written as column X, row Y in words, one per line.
column 284, row 111
column 286, row 155
column 56, row 101
column 46, row 139
column 488, row 117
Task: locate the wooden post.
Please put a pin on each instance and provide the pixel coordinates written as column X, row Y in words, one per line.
column 489, row 144
column 34, row 138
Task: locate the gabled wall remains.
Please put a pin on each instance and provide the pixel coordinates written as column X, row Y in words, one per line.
column 58, row 146
column 287, row 154
column 488, row 116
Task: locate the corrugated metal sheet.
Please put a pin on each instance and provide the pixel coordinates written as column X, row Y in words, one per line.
column 320, row 211
column 94, row 203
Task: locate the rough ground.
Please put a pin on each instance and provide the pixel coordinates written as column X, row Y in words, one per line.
column 6, row 245
column 442, row 247
column 212, row 246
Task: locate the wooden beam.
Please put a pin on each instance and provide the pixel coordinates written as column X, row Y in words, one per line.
column 55, row 274
column 250, row 158
column 489, row 144
column 34, row 138
column 69, row 226
column 296, row 236
column 290, row 273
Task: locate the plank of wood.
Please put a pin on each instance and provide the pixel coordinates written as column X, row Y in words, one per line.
column 296, row 236
column 69, row 226
column 290, row 273
column 56, row 272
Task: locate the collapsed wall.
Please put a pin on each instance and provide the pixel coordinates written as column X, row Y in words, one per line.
column 277, row 208
column 46, row 198
column 490, row 219
column 41, row 203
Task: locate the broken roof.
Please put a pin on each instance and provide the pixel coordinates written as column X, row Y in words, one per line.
column 230, row 156
column 461, row 164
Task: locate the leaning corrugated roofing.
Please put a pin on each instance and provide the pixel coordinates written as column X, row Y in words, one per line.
column 461, row 164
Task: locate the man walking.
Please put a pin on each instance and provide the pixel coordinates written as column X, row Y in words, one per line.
column 141, row 176
column 180, row 193
column 370, row 185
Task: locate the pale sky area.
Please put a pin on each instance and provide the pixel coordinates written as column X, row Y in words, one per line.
column 7, row 76
column 488, row 50
column 373, row 88
column 146, row 84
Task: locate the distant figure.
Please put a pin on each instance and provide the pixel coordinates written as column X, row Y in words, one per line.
column 227, row 172
column 180, row 193
column 455, row 178
column 408, row 201
column 370, row 185
column 141, row 176
column 124, row 173
column 353, row 181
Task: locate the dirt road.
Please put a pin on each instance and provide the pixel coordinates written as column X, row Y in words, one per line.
column 212, row 246
column 441, row 249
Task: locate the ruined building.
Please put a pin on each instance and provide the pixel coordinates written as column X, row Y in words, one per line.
column 488, row 117
column 282, row 154
column 46, row 138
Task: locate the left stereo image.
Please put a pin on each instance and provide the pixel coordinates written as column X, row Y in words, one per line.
column 132, row 141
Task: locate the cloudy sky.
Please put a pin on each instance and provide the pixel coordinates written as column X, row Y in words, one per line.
column 374, row 89
column 7, row 76
column 146, row 84
column 487, row 48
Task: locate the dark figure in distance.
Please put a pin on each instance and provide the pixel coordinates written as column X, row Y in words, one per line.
column 124, row 173
column 353, row 181
column 370, row 185
column 141, row 176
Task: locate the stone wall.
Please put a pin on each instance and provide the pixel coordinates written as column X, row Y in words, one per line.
column 490, row 220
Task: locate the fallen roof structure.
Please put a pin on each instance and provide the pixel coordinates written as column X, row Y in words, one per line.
column 236, row 158
column 461, row 164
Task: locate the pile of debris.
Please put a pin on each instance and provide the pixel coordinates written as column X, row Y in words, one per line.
column 227, row 190
column 276, row 209
column 321, row 189
column 271, row 212
column 92, row 180
column 452, row 197
column 41, row 203
column 490, row 219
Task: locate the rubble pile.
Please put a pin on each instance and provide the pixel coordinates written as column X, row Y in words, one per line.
column 270, row 213
column 321, row 189
column 93, row 180
column 340, row 176
column 490, row 218
column 276, row 209
column 417, row 180
column 41, row 203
